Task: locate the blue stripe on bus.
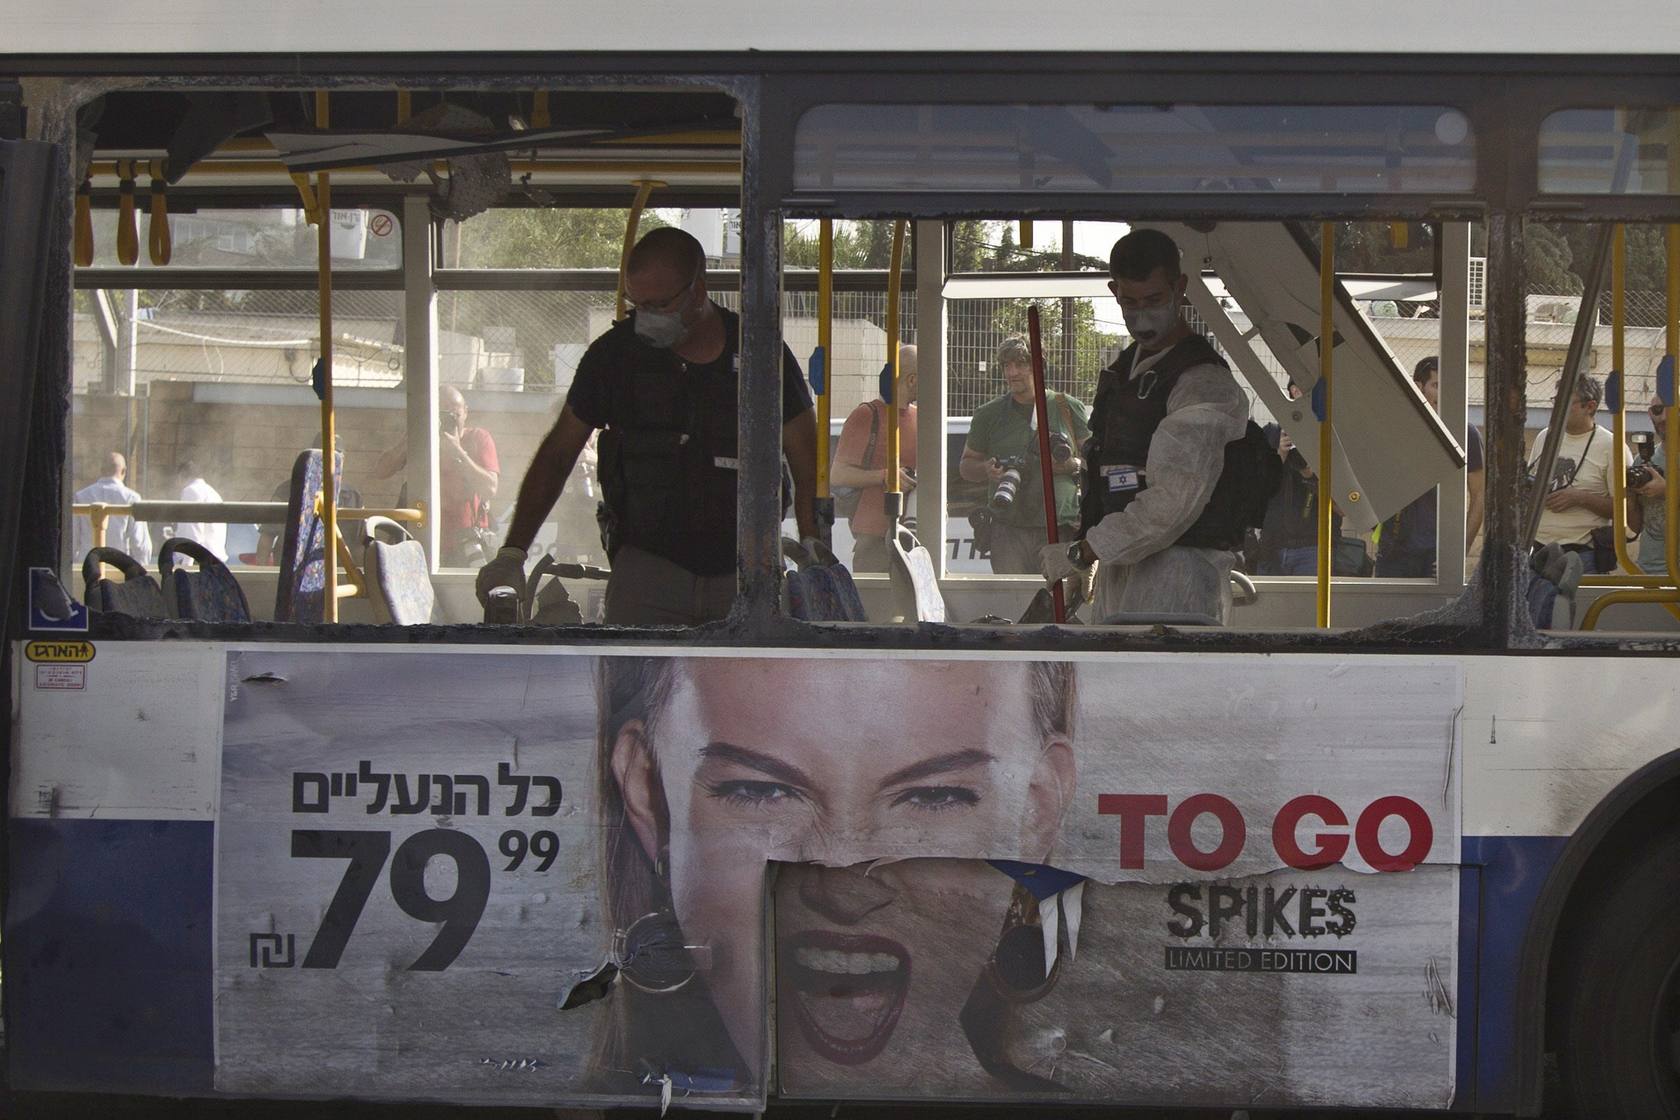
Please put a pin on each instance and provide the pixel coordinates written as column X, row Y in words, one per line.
column 108, row 955
column 109, row 960
column 1501, row 881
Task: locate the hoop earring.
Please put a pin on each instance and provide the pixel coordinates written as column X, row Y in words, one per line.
column 1016, row 970
column 651, row 955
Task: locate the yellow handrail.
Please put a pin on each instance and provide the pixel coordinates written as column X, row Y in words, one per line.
column 1326, row 348
column 1618, row 415
column 218, row 513
column 329, row 442
column 1667, row 593
column 825, row 346
column 895, row 503
column 644, row 187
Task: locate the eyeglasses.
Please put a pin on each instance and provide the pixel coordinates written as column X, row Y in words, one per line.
column 663, row 305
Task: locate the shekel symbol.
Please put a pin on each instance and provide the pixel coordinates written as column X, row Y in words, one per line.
column 273, row 950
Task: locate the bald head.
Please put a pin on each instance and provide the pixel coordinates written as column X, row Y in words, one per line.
column 115, row 465
column 907, row 374
column 668, row 248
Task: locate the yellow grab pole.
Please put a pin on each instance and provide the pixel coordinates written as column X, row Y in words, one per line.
column 1630, row 572
column 1618, row 417
column 895, row 503
column 825, row 343
column 644, row 187
column 1326, row 347
column 329, row 468
column 1669, row 592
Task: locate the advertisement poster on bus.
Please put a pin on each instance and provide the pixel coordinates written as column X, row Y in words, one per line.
column 547, row 877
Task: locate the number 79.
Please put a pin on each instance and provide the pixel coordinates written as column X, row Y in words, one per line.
column 366, row 852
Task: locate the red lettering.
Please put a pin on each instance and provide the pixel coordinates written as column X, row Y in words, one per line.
column 1234, row 833
column 1367, row 832
column 1132, row 809
column 1332, row 846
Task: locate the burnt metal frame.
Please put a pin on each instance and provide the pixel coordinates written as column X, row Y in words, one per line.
column 1504, row 98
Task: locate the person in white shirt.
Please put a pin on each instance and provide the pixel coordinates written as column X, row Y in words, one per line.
column 1578, row 495
column 121, row 531
column 211, row 534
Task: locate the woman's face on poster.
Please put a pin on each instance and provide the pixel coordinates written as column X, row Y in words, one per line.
column 837, row 762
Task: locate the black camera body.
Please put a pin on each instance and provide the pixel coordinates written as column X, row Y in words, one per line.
column 1640, row 471
column 1061, row 447
column 1014, row 467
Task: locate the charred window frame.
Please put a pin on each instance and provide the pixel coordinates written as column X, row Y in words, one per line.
column 1505, row 99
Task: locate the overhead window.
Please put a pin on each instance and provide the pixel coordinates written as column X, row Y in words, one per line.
column 1384, row 149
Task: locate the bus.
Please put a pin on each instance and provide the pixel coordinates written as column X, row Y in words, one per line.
column 286, row 819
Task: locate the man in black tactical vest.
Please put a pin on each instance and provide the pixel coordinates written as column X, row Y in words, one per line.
column 662, row 384
column 1160, row 509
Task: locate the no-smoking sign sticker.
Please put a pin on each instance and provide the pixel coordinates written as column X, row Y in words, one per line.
column 380, row 225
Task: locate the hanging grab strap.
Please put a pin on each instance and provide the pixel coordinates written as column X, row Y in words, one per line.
column 159, row 244
column 83, row 254
column 128, row 233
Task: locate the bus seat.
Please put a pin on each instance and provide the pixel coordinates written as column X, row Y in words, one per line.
column 210, row 594
column 300, row 595
column 136, row 594
column 910, row 569
column 820, row 589
column 399, row 585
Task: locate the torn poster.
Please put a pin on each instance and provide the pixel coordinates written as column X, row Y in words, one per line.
column 1130, row 879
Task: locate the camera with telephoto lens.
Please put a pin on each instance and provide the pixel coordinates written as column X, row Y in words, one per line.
column 1008, row 485
column 1640, row 471
column 1061, row 447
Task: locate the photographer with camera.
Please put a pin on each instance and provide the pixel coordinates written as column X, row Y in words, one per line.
column 468, row 475
column 1002, row 451
column 1647, row 490
column 1578, row 495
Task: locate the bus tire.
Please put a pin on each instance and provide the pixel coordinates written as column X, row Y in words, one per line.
column 1619, row 1041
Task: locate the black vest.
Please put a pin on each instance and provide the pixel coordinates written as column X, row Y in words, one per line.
column 1124, row 417
column 668, row 456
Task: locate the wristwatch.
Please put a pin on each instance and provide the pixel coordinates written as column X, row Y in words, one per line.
column 1076, row 555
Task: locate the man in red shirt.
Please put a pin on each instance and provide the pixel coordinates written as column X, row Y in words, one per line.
column 468, row 472
column 860, row 463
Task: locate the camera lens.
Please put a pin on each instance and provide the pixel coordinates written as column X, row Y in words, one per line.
column 1004, row 496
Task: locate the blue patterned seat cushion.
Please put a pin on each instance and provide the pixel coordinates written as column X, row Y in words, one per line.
column 824, row 594
column 301, row 595
column 211, row 594
column 400, row 581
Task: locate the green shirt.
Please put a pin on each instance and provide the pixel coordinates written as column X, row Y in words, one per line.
column 1002, row 428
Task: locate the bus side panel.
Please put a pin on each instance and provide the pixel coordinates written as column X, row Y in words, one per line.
column 108, row 955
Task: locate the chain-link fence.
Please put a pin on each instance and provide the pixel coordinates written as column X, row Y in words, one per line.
column 244, row 336
column 1551, row 324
